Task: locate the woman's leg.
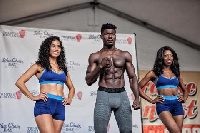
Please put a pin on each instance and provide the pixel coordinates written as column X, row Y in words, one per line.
column 168, row 120
column 179, row 120
column 58, row 125
column 45, row 123
column 50, row 115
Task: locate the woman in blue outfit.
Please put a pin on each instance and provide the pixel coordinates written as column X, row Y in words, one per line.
column 51, row 71
column 166, row 76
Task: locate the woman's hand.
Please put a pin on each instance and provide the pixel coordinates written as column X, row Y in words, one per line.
column 181, row 99
column 42, row 96
column 66, row 101
column 158, row 99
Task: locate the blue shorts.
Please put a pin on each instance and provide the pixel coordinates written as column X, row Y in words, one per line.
column 170, row 104
column 52, row 106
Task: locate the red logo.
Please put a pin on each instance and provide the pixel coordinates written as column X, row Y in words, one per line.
column 129, row 40
column 19, row 94
column 22, row 33
column 108, row 127
column 78, row 37
column 132, row 96
column 79, row 95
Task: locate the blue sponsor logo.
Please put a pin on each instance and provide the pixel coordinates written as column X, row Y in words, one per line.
column 11, row 63
column 96, row 38
column 93, row 93
column 32, row 130
column 68, row 38
column 11, row 34
column 42, row 34
column 8, row 95
column 10, row 127
column 72, row 65
column 72, row 126
column 92, row 36
column 135, row 126
column 35, row 92
column 121, row 41
column 90, row 128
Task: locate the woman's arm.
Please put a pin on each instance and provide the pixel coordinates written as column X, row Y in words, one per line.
column 20, row 83
column 150, row 75
column 71, row 88
column 185, row 92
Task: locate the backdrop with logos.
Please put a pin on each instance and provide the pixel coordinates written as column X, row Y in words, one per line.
column 19, row 50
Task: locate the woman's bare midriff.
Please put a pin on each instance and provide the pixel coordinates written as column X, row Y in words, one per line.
column 168, row 91
column 52, row 88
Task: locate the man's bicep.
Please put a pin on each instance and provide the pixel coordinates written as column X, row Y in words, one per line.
column 130, row 69
column 92, row 65
column 91, row 68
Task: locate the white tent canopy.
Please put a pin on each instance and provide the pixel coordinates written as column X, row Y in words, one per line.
column 156, row 23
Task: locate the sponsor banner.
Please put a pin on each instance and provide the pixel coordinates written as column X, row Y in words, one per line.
column 19, row 50
column 191, row 123
column 162, row 129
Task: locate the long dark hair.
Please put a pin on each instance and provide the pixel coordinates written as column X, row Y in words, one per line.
column 44, row 53
column 158, row 65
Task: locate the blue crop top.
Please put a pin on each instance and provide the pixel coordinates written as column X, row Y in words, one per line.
column 164, row 82
column 52, row 77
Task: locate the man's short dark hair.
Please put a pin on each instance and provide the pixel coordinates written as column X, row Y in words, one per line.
column 108, row 26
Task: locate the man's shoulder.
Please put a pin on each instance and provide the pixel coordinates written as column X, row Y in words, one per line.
column 95, row 55
column 122, row 51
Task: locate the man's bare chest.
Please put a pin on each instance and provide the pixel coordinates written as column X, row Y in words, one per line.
column 115, row 60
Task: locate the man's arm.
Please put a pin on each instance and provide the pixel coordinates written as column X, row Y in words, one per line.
column 132, row 79
column 93, row 70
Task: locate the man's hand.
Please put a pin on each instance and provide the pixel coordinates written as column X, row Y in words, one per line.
column 136, row 105
column 105, row 62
